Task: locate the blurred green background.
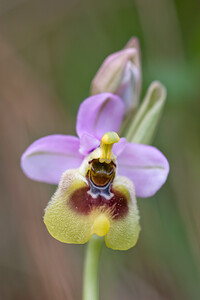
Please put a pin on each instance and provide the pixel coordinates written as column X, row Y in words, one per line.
column 49, row 53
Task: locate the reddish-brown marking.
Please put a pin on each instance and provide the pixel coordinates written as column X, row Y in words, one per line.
column 83, row 203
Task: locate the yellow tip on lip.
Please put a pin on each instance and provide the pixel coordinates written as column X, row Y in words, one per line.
column 101, row 225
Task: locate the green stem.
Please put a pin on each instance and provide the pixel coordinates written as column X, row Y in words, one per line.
column 91, row 269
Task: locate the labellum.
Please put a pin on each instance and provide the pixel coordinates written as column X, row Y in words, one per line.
column 94, row 200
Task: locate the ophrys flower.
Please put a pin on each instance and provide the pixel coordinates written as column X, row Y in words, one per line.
column 97, row 183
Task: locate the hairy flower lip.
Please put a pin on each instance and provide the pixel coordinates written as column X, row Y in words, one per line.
column 73, row 215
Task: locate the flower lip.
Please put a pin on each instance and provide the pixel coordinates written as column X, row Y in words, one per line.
column 73, row 214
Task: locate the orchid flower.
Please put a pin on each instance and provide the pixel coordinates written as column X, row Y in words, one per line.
column 99, row 176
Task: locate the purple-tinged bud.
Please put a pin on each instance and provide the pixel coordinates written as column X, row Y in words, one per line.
column 120, row 74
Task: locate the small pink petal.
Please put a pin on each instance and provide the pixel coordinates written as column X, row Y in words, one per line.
column 88, row 143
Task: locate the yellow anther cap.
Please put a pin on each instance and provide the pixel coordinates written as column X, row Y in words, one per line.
column 110, row 137
column 107, row 141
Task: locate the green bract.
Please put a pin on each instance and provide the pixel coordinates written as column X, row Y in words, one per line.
column 145, row 122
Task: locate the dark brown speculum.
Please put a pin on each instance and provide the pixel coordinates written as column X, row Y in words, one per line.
column 82, row 202
column 100, row 192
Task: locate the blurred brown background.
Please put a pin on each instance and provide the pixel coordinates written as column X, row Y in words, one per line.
column 49, row 53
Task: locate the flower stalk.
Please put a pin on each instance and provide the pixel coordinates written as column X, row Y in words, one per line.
column 91, row 269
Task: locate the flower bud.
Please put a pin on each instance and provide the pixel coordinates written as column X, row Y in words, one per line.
column 120, row 74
